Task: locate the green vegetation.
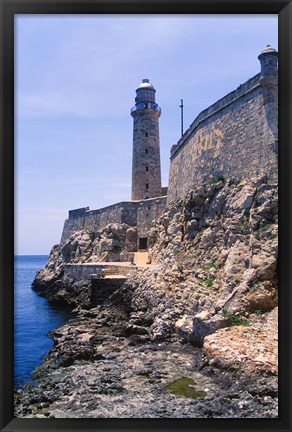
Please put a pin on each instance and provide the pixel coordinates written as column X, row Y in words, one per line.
column 185, row 387
column 260, row 231
column 217, row 179
column 209, row 281
column 209, row 266
column 245, row 228
column 259, row 312
column 234, row 320
column 220, row 177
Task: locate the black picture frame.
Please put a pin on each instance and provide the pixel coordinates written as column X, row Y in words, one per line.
column 8, row 8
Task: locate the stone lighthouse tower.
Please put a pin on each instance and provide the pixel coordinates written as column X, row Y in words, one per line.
column 146, row 172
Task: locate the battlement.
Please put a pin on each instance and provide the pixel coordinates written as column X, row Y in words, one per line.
column 223, row 103
column 78, row 212
column 134, row 213
column 236, row 137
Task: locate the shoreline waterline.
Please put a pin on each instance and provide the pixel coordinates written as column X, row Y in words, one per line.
column 34, row 318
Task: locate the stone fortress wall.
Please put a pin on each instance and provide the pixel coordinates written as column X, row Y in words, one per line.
column 133, row 213
column 236, row 137
column 148, row 211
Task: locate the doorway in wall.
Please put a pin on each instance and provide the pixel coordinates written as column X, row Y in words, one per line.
column 143, row 243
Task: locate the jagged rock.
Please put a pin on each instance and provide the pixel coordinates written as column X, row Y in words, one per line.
column 265, row 264
column 160, row 329
column 184, row 327
column 110, row 244
column 194, row 329
column 46, row 278
column 214, row 256
column 252, row 347
column 77, row 248
column 243, row 200
column 204, row 251
column 249, row 295
column 236, row 262
column 131, row 239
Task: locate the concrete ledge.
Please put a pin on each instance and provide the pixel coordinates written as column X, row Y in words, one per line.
column 89, row 271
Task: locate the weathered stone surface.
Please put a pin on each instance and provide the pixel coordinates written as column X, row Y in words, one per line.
column 212, row 282
column 227, row 269
column 160, row 329
column 52, row 273
column 184, row 327
column 92, row 372
column 146, row 153
column 219, row 142
column 252, row 348
column 228, row 264
column 243, row 200
column 134, row 213
column 203, row 327
column 194, row 329
column 131, row 239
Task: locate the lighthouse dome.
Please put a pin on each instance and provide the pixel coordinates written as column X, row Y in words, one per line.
column 145, row 84
column 268, row 49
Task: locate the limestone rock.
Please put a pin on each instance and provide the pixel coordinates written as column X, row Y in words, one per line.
column 53, row 271
column 236, row 262
column 160, row 329
column 131, row 239
column 253, row 348
column 213, row 256
column 242, row 200
column 184, row 327
column 216, row 249
column 203, row 327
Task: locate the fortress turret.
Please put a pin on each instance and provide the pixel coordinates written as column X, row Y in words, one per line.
column 269, row 62
column 269, row 82
column 146, row 171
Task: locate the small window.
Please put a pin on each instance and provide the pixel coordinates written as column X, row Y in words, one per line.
column 146, row 134
column 147, row 168
column 146, row 151
column 147, row 186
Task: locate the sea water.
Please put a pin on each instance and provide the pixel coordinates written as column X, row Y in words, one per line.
column 34, row 317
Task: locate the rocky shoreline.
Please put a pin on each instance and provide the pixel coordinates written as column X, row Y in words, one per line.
column 192, row 335
column 94, row 371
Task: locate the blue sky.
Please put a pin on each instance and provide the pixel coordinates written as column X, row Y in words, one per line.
column 75, row 84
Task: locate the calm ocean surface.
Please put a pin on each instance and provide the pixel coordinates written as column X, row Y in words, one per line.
column 34, row 317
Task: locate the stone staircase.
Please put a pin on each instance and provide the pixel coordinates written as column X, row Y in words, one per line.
column 140, row 259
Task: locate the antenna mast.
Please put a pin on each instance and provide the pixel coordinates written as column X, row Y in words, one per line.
column 182, row 116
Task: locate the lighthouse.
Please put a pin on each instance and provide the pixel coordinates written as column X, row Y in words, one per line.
column 146, row 170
